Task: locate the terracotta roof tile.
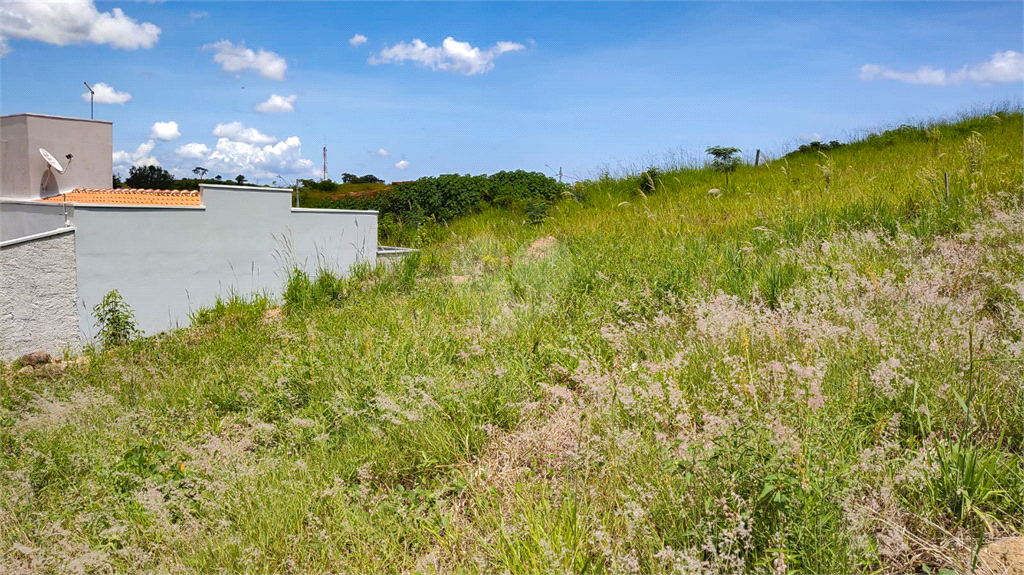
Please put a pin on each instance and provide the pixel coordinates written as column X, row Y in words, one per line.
column 129, row 196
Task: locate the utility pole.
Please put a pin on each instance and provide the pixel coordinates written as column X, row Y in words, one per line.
column 559, row 174
column 92, row 94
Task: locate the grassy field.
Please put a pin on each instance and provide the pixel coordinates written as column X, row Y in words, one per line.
column 814, row 369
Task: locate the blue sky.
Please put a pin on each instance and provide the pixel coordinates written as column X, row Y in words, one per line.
column 520, row 85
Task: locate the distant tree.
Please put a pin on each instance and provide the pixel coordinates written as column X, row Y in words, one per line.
column 817, row 146
column 218, row 177
column 354, row 179
column 153, row 177
column 327, row 185
column 117, row 181
column 240, row 179
column 725, row 159
column 200, row 171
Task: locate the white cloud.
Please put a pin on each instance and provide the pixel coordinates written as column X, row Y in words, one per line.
column 450, row 56
column 382, row 153
column 809, row 137
column 235, row 131
column 247, row 151
column 284, row 157
column 357, row 40
column 74, row 22
column 165, row 131
column 923, row 75
column 402, row 165
column 276, row 104
column 235, row 57
column 106, row 94
column 194, row 151
column 1003, row 67
column 147, row 161
column 198, row 15
column 142, row 156
column 144, row 149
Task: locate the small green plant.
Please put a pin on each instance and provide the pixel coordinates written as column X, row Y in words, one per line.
column 774, row 281
column 725, row 159
column 115, row 320
column 966, row 478
column 146, row 461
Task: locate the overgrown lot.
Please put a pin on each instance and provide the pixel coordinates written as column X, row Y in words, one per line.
column 814, row 369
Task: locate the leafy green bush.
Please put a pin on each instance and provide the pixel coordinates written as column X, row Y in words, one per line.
column 518, row 188
column 444, row 197
column 115, row 321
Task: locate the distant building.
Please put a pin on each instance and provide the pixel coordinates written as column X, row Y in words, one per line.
column 67, row 239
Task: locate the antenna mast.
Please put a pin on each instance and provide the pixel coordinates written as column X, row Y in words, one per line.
column 325, row 161
column 92, row 94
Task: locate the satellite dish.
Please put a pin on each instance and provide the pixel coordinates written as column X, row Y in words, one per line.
column 52, row 161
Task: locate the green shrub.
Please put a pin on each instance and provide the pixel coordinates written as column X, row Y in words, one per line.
column 115, row 321
column 512, row 189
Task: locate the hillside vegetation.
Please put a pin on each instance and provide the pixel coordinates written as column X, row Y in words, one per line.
column 814, row 369
column 321, row 195
column 408, row 209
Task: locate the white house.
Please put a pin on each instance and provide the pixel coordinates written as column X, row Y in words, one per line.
column 67, row 239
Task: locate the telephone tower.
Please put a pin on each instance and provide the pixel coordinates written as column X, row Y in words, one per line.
column 325, row 163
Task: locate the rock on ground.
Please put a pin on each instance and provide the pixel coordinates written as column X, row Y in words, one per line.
column 35, row 358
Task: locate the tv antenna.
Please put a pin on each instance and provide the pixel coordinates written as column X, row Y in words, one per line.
column 92, row 94
column 53, row 164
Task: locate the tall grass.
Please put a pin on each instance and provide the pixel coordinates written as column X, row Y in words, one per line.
column 815, row 370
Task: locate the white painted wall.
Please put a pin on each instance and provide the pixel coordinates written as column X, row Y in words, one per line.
column 168, row 262
column 37, row 295
column 20, row 218
column 23, row 170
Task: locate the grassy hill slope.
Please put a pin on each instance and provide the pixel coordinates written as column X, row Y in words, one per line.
column 816, row 369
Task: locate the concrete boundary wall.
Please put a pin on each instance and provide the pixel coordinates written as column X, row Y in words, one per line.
column 38, row 291
column 23, row 218
column 169, row 262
